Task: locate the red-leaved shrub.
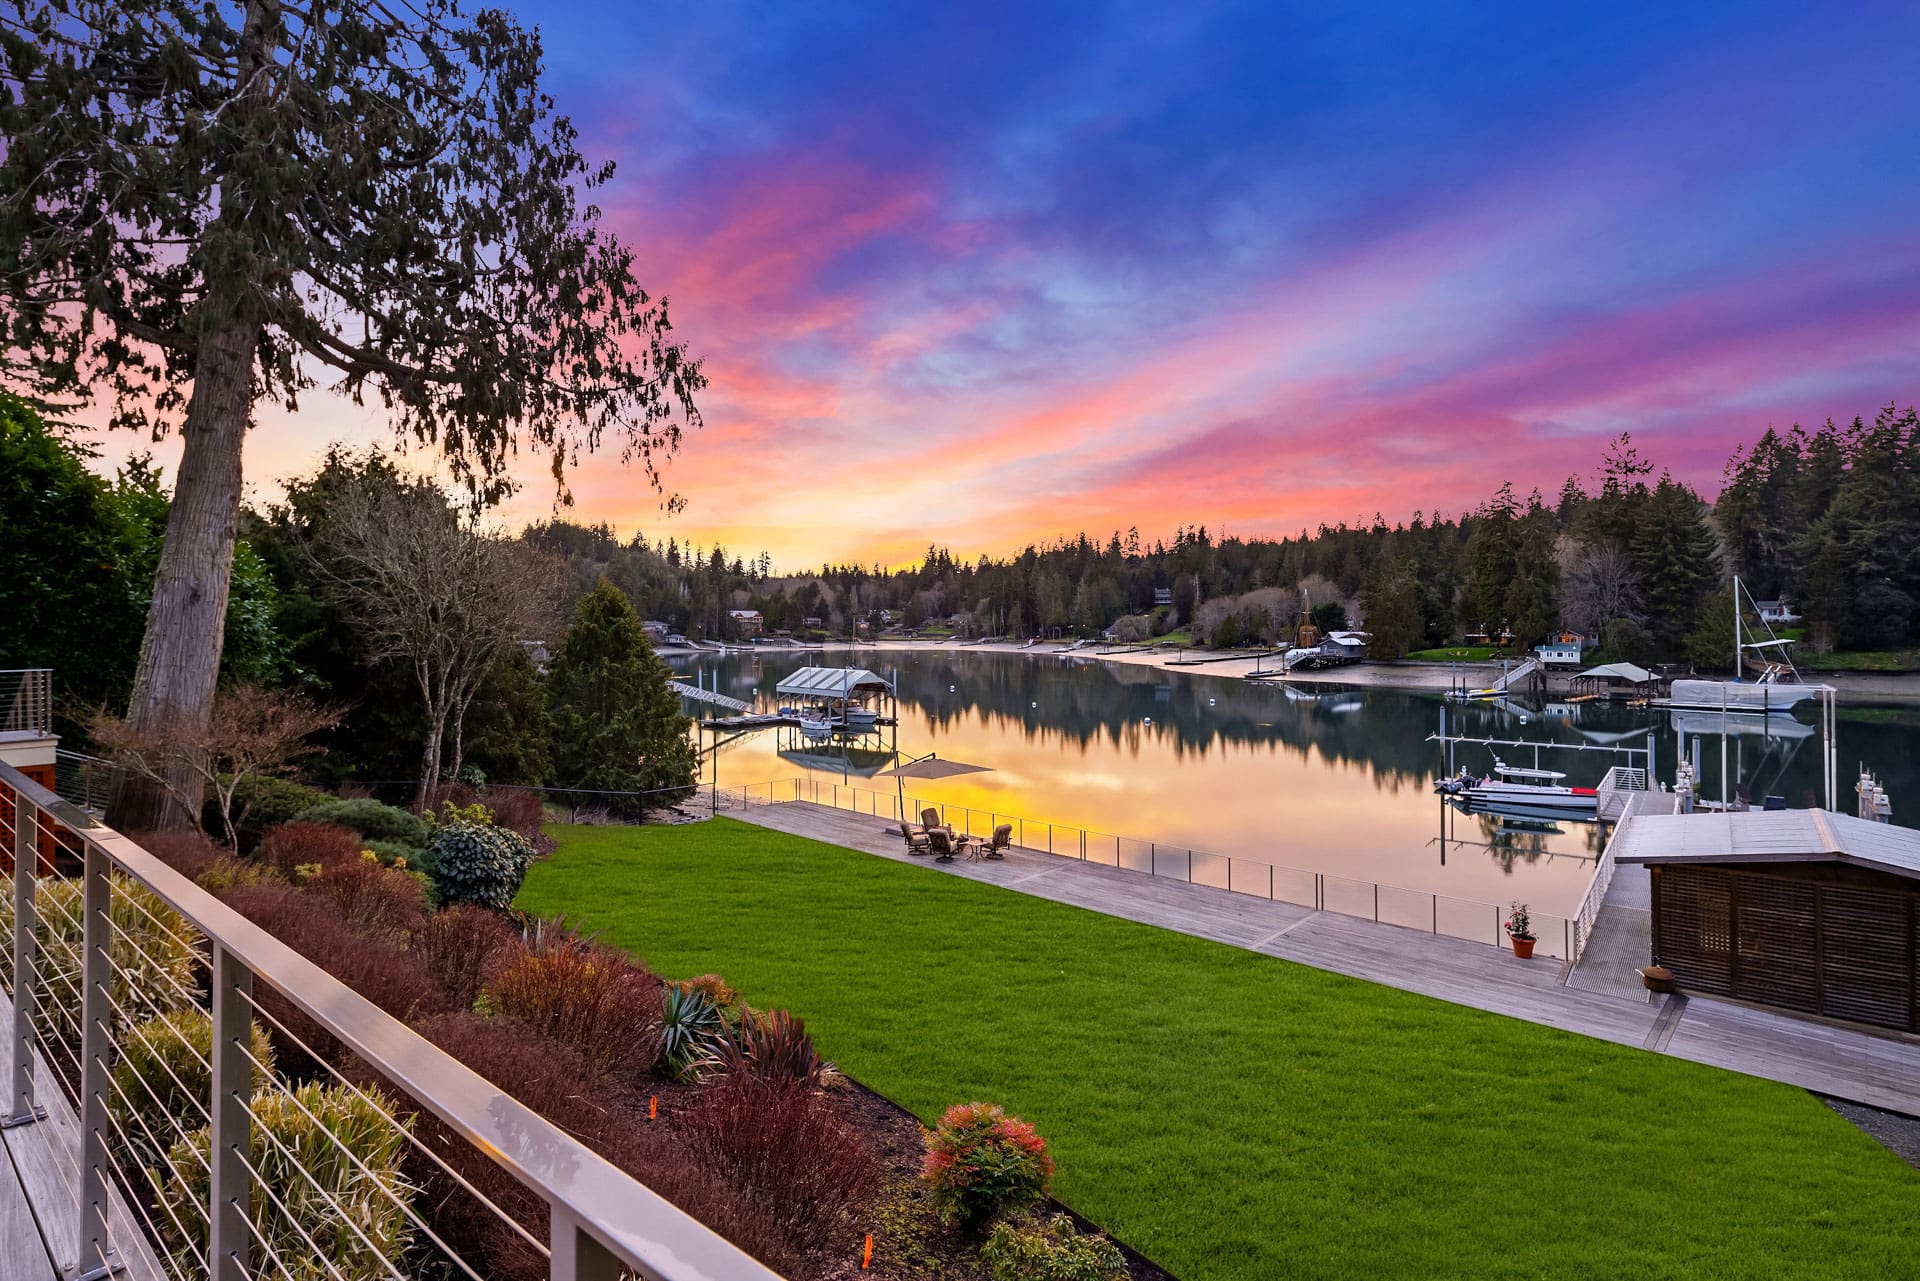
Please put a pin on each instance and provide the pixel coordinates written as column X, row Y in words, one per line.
column 521, row 810
column 586, row 996
column 188, row 853
column 542, row 1075
column 309, row 923
column 461, row 947
column 982, row 1163
column 375, row 898
column 303, row 844
column 784, row 1144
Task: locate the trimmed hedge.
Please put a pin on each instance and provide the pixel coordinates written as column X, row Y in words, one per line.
column 370, row 818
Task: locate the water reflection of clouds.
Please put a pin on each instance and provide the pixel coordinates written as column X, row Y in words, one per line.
column 1259, row 771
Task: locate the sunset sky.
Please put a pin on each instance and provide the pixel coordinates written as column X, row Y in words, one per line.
column 988, row 273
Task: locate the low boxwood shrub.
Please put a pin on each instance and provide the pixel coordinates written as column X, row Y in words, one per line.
column 372, row 819
column 313, row 1180
column 1051, row 1250
column 477, row 862
column 164, row 1081
column 982, row 1163
column 261, row 803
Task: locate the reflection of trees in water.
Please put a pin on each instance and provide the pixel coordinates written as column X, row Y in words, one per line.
column 1077, row 704
column 1081, row 703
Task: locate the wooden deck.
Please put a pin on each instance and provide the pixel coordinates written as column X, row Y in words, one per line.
column 1844, row 1061
column 39, row 1201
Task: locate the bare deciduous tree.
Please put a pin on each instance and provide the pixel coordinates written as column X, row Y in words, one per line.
column 1599, row 585
column 425, row 583
column 250, row 732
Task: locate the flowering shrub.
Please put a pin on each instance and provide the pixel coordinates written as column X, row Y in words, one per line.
column 1519, row 925
column 478, row 863
column 982, row 1163
column 1052, row 1250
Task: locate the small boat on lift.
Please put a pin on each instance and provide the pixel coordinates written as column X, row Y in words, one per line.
column 1512, row 785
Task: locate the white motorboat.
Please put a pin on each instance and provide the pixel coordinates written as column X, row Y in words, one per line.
column 816, row 731
column 1512, row 785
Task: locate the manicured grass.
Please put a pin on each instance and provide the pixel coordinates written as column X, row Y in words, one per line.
column 1236, row 1116
column 1455, row 653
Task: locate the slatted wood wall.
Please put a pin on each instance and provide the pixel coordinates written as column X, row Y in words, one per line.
column 1839, row 942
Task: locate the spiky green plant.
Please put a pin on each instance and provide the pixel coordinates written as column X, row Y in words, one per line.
column 691, row 1032
column 320, row 1190
column 163, row 1084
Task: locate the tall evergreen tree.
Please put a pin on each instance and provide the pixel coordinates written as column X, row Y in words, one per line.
column 1677, row 559
column 616, row 719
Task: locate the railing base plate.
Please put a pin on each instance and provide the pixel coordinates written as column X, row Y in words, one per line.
column 24, row 1118
column 101, row 1272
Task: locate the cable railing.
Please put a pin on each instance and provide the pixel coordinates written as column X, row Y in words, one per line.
column 1473, row 920
column 26, row 701
column 208, row 1103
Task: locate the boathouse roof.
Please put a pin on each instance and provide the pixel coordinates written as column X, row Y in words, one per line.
column 1618, row 672
column 832, row 682
column 1770, row 836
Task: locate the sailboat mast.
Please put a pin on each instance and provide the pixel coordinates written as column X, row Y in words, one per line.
column 1739, row 654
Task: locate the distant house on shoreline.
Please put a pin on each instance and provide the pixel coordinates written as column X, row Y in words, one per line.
column 1776, row 611
column 656, row 630
column 748, row 621
column 1561, row 649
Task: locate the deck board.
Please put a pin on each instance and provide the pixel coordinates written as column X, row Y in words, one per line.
column 23, row 1255
column 45, row 1157
column 1851, row 1063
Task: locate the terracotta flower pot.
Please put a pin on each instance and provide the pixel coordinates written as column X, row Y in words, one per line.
column 1523, row 947
column 1658, row 978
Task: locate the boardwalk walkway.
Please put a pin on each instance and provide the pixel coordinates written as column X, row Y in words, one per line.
column 1843, row 1061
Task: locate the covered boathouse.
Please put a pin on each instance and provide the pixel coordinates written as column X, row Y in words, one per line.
column 1808, row 910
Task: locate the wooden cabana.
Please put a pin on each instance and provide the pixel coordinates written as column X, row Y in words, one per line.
column 1804, row 909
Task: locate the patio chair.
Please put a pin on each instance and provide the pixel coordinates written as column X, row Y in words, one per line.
column 930, row 819
column 942, row 844
column 1002, row 842
column 917, row 842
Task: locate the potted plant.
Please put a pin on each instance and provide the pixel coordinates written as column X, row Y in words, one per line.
column 1520, row 930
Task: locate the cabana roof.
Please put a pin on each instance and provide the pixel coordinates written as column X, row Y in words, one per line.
column 1617, row 672
column 831, row 682
column 1770, row 836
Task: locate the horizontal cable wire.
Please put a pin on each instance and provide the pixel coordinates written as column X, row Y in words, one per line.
column 453, row 1256
column 153, row 1230
column 424, row 1150
column 260, row 1181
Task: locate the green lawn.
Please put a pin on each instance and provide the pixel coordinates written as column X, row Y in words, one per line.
column 1455, row 653
column 1237, row 1116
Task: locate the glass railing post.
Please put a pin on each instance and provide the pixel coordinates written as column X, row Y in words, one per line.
column 22, row 1110
column 228, row 1240
column 96, row 1055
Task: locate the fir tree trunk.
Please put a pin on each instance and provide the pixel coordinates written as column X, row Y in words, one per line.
column 180, row 655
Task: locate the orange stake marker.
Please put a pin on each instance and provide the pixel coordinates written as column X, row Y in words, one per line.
column 867, row 1256
column 653, row 1108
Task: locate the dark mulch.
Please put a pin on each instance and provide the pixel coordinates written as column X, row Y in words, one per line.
column 1897, row 1132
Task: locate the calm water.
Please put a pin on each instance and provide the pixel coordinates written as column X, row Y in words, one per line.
column 1317, row 777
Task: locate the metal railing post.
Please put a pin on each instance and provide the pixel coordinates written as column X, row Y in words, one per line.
column 22, row 1110
column 96, row 1048
column 577, row 1256
column 229, row 1190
